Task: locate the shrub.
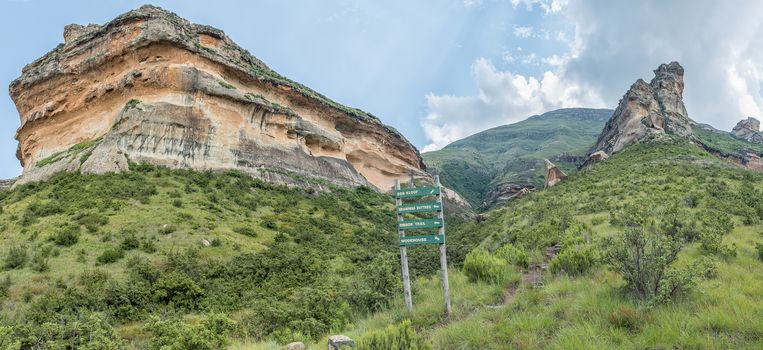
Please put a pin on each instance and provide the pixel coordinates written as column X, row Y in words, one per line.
column 5, row 285
column 177, row 203
column 174, row 334
column 88, row 331
column 41, row 260
column 644, row 256
column 269, row 223
column 399, row 337
column 148, row 246
column 91, row 221
column 130, row 242
column 513, row 255
column 379, row 282
column 216, row 242
column 246, row 231
column 110, row 255
column 179, row 290
column 480, row 265
column 575, row 260
column 759, row 248
column 16, row 258
column 66, row 236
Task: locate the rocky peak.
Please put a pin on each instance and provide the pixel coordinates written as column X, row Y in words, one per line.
column 150, row 86
column 748, row 130
column 648, row 110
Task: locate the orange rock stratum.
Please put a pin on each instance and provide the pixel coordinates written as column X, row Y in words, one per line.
column 152, row 87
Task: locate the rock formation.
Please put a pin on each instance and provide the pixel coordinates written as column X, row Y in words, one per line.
column 648, row 110
column 152, row 87
column 554, row 175
column 594, row 158
column 748, row 130
column 506, row 191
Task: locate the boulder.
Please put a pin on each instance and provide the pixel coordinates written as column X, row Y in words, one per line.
column 337, row 342
column 748, row 130
column 295, row 346
column 205, row 243
column 554, row 175
column 595, row 157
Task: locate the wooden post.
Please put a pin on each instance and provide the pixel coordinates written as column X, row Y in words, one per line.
column 404, row 259
column 443, row 257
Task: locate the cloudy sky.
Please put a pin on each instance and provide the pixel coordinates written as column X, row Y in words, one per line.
column 442, row 70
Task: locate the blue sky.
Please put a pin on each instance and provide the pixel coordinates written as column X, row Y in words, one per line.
column 441, row 70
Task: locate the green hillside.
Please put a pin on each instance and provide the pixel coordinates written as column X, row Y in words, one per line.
column 660, row 247
column 173, row 259
column 513, row 153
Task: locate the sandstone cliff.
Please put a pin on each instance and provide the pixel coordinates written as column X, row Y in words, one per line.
column 648, row 110
column 748, row 130
column 150, row 86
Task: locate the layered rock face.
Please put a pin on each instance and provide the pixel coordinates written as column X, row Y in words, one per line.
column 554, row 175
column 648, row 110
column 748, row 130
column 151, row 87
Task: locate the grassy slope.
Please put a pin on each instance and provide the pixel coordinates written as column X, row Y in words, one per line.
column 592, row 311
column 328, row 244
column 511, row 153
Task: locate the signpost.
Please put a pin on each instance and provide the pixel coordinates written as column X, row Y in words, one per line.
column 437, row 222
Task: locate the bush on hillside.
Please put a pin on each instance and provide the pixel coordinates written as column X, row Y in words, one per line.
column 575, row 260
column 644, row 255
column 175, row 334
column 110, row 255
column 88, row 331
column 480, row 265
column 16, row 258
column 397, row 337
column 513, row 255
column 67, row 235
column 759, row 249
column 179, row 290
column 379, row 282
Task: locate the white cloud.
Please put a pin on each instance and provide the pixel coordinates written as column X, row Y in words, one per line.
column 720, row 45
column 548, row 6
column 472, row 3
column 523, row 32
column 503, row 97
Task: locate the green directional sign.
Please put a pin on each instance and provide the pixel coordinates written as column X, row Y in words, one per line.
column 417, row 192
column 421, row 223
column 418, row 208
column 416, row 240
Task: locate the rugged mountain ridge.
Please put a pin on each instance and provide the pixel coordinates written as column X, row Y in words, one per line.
column 152, row 87
column 648, row 110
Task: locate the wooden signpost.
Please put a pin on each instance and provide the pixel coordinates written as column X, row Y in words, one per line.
column 437, row 222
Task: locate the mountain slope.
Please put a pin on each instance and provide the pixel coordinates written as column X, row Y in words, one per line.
column 712, row 207
column 130, row 256
column 514, row 153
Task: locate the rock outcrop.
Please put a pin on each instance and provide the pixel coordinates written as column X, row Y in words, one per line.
column 748, row 130
column 648, row 110
column 506, row 191
column 554, row 175
column 152, row 87
column 594, row 158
